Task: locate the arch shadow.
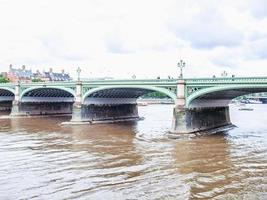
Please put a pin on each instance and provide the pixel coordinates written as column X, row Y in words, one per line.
column 44, row 101
column 7, row 95
column 221, row 96
column 130, row 92
column 67, row 92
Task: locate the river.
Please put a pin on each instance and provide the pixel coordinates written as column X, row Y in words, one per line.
column 40, row 159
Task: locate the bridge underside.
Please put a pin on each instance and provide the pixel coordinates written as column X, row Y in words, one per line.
column 208, row 111
column 6, row 98
column 222, row 98
column 44, row 101
column 118, row 104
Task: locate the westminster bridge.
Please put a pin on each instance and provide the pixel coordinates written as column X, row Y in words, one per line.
column 200, row 103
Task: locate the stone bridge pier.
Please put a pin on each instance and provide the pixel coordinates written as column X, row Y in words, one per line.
column 5, row 106
column 197, row 118
column 190, row 120
column 106, row 105
column 101, row 106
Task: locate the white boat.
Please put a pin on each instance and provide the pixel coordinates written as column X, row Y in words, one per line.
column 246, row 109
column 142, row 104
column 251, row 101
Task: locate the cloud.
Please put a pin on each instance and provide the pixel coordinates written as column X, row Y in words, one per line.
column 226, row 57
column 124, row 37
column 257, row 49
column 206, row 27
column 258, row 8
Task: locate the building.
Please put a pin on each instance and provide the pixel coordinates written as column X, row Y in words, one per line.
column 20, row 74
column 24, row 75
column 53, row 76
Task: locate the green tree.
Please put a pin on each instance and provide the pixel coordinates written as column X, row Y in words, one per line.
column 3, row 79
column 35, row 80
column 155, row 95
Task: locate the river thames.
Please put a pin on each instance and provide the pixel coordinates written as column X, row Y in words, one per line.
column 40, row 159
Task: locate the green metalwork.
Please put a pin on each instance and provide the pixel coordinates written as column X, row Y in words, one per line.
column 151, row 88
column 200, row 86
column 217, row 88
column 8, row 88
column 227, row 80
column 39, row 87
column 194, row 87
column 86, row 89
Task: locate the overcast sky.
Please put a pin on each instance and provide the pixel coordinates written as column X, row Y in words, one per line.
column 144, row 37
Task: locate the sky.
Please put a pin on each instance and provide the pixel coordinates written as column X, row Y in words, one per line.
column 145, row 38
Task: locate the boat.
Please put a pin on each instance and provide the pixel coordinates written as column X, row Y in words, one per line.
column 251, row 101
column 243, row 107
column 246, row 109
column 142, row 104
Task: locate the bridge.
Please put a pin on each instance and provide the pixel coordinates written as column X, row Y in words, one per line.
column 199, row 104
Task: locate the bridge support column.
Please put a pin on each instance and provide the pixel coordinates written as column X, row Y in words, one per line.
column 96, row 112
column 15, row 111
column 77, row 106
column 88, row 114
column 5, row 106
column 179, row 112
column 200, row 119
column 190, row 120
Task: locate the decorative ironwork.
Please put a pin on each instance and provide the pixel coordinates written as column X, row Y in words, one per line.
column 191, row 90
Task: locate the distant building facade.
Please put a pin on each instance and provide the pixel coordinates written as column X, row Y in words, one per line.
column 20, row 74
column 52, row 76
column 24, row 75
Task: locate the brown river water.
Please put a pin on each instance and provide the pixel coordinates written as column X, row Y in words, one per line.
column 40, row 159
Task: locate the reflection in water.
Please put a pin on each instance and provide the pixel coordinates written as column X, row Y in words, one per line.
column 206, row 164
column 40, row 159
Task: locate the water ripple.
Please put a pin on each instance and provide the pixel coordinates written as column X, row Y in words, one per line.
column 42, row 160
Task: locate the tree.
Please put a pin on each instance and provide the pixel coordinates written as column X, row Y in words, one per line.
column 35, row 80
column 155, row 95
column 3, row 79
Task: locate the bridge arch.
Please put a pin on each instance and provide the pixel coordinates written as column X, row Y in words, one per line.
column 51, row 93
column 128, row 92
column 221, row 96
column 7, row 94
column 8, row 89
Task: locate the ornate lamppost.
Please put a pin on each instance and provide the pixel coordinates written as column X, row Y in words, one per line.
column 79, row 73
column 224, row 74
column 181, row 65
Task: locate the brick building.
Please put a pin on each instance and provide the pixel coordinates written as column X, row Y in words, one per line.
column 20, row 74
column 24, row 75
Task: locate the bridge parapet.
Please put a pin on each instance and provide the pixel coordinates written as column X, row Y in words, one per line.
column 226, row 80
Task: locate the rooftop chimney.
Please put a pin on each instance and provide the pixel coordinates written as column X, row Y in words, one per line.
column 63, row 71
column 51, row 70
column 10, row 66
column 23, row 67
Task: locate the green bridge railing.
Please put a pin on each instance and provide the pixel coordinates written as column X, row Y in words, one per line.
column 228, row 80
column 154, row 81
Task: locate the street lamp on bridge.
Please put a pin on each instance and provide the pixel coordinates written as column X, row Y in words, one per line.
column 79, row 73
column 224, row 74
column 181, row 65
